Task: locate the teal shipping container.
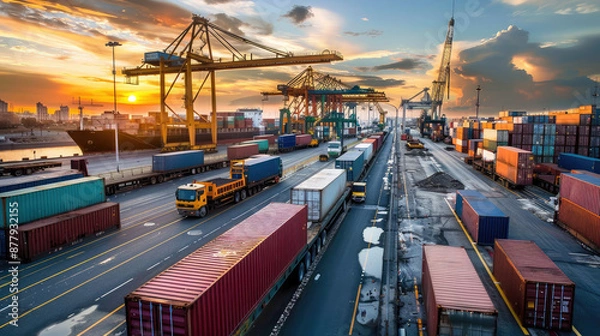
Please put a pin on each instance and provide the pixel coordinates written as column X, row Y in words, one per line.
column 353, row 162
column 263, row 144
column 30, row 204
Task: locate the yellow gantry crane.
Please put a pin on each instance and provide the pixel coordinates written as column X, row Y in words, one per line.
column 204, row 47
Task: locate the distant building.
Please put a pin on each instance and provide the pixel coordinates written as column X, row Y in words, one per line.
column 3, row 106
column 42, row 111
column 63, row 113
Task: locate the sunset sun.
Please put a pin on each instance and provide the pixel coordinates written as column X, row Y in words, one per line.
column 131, row 99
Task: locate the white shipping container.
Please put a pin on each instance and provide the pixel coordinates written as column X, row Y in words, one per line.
column 488, row 156
column 490, row 134
column 367, row 148
column 320, row 192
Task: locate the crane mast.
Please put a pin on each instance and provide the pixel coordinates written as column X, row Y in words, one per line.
column 442, row 84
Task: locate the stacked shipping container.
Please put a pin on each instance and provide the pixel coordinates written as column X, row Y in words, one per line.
column 515, row 164
column 540, row 293
column 455, row 299
column 579, row 207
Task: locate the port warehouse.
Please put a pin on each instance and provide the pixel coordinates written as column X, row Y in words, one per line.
column 521, row 150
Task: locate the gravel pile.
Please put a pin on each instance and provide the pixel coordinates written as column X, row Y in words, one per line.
column 440, row 182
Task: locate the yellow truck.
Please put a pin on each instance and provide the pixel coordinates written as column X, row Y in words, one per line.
column 359, row 192
column 246, row 177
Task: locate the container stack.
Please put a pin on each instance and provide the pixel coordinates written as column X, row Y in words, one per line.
column 493, row 138
column 579, row 207
column 540, row 293
column 463, row 134
column 55, row 215
column 473, row 144
column 515, row 164
column 455, row 300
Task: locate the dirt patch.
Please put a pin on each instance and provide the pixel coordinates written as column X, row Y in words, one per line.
column 440, row 182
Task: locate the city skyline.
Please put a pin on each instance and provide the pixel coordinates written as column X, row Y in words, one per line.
column 529, row 55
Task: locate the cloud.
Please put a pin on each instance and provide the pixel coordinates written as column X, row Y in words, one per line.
column 405, row 64
column 228, row 23
column 299, row 14
column 515, row 73
column 365, row 19
column 370, row 33
column 560, row 7
column 374, row 82
column 579, row 9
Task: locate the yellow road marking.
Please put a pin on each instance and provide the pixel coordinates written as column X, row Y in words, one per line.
column 102, row 319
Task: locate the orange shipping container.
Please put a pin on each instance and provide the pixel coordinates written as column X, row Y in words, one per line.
column 567, row 119
column 581, row 222
column 515, row 157
column 518, row 176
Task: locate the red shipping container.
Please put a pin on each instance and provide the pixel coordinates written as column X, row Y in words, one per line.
column 540, row 293
column 216, row 288
column 455, row 299
column 580, row 222
column 303, row 140
column 236, row 152
column 271, row 137
column 49, row 234
column 379, row 139
column 582, row 189
column 374, row 142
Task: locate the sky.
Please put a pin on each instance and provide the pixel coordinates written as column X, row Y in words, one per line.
column 531, row 55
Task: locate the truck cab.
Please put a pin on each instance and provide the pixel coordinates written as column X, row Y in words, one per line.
column 191, row 200
column 359, row 192
column 335, row 148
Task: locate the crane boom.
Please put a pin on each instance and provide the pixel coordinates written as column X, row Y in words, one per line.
column 443, row 81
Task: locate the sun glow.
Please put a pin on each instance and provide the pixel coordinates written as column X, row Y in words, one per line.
column 132, row 99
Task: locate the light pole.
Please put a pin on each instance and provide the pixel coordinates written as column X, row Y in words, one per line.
column 114, row 72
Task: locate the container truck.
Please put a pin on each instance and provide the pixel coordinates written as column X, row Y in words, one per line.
column 230, row 280
column 286, row 142
column 456, row 301
column 539, row 292
column 335, row 149
column 353, row 162
column 27, row 168
column 46, row 177
column 359, row 192
column 246, row 177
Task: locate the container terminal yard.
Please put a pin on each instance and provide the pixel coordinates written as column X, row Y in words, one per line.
column 418, row 226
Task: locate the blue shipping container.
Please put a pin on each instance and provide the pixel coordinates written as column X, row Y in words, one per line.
column 465, row 194
column 177, row 160
column 21, row 182
column 490, row 222
column 261, row 167
column 286, row 142
column 29, row 204
column 576, row 161
column 354, row 163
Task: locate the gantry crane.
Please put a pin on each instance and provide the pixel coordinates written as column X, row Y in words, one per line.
column 204, row 47
column 320, row 98
column 80, row 106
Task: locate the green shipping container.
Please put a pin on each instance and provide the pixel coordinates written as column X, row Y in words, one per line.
column 30, row 204
column 263, row 144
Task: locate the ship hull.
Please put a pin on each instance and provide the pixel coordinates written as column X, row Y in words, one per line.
column 104, row 141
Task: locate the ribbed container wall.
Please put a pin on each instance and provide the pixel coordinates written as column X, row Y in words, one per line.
column 575, row 161
column 216, row 288
column 236, row 152
column 373, row 142
column 379, row 139
column 165, row 162
column 581, row 189
column 540, row 293
column 515, row 164
column 484, row 221
column 456, row 302
column 42, row 178
column 303, row 140
column 41, row 237
column 51, row 199
column 259, row 168
column 320, row 192
column 353, row 162
column 286, row 142
column 263, row 144
column 582, row 223
column 367, row 148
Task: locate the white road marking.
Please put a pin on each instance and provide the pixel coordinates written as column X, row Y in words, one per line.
column 114, row 289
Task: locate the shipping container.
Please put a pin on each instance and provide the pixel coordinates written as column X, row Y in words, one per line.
column 488, row 156
column 574, row 161
column 166, row 162
column 582, row 223
column 353, row 162
column 261, row 167
column 456, row 302
column 465, row 194
column 263, row 144
column 379, row 139
column 47, row 235
column 51, row 199
column 218, row 287
column 484, row 221
column 582, row 189
column 237, row 152
column 41, row 178
column 540, row 293
column 269, row 137
column 286, row 142
column 367, row 148
column 303, row 140
column 515, row 165
column 320, row 192
column 372, row 142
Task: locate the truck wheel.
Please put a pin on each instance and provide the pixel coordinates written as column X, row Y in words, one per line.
column 308, row 259
column 202, row 212
column 28, row 171
column 301, row 272
column 236, row 197
column 160, row 179
column 18, row 172
column 193, row 171
column 243, row 194
column 153, row 180
column 324, row 236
